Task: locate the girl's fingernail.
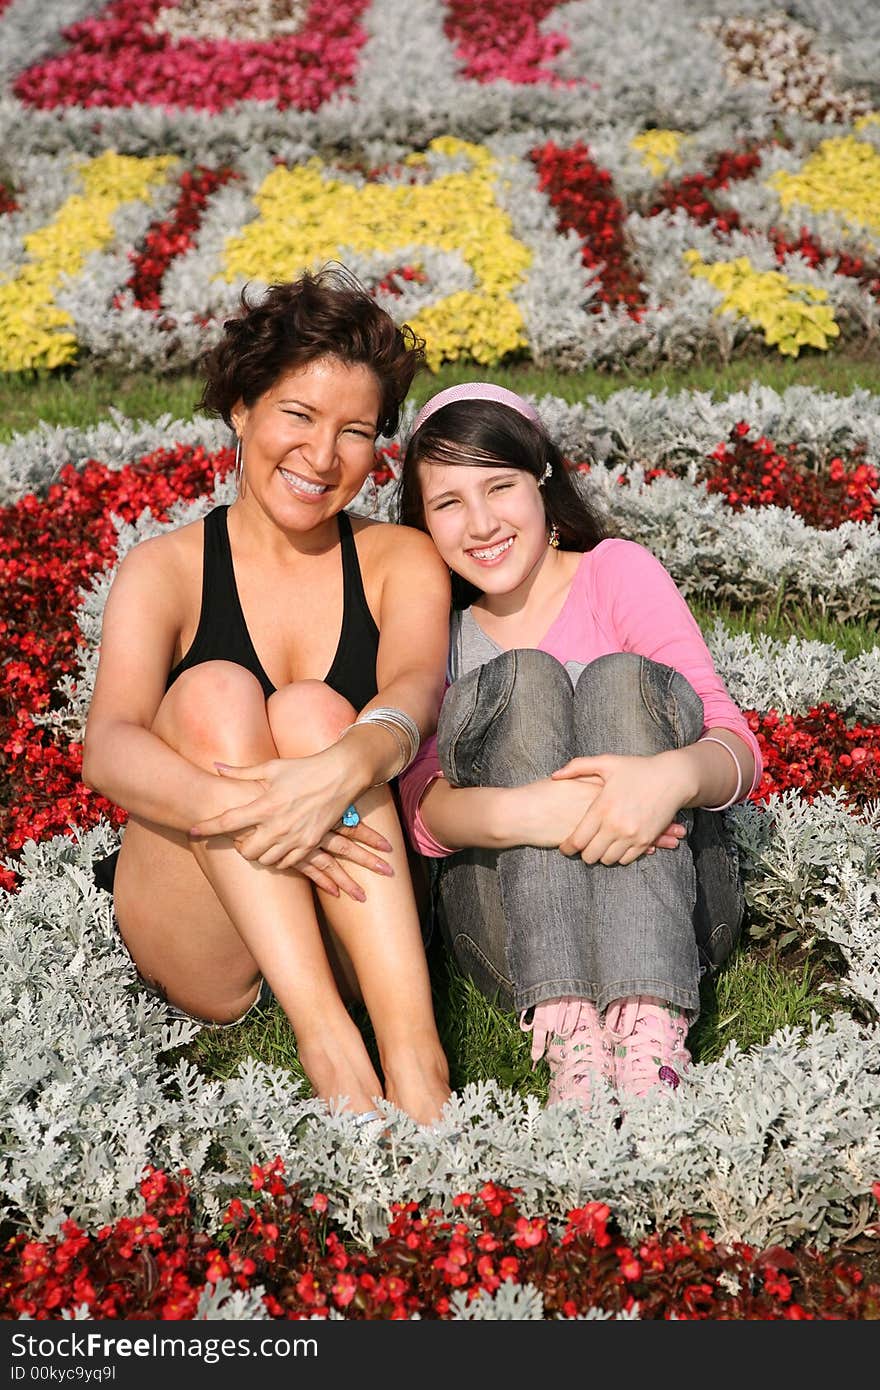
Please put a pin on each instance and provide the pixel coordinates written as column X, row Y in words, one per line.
column 384, row 868
column 386, row 845
column 221, row 767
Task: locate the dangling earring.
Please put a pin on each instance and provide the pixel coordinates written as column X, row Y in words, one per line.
column 553, row 538
column 239, row 464
column 374, row 495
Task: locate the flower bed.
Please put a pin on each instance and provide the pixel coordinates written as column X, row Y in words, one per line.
column 126, row 54
column 644, row 240
column 279, row 1256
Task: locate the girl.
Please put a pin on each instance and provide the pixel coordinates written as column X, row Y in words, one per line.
column 583, row 723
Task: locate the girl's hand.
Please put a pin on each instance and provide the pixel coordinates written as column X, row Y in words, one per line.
column 297, row 801
column 630, row 813
column 551, row 809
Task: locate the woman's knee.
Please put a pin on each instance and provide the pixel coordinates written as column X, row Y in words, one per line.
column 216, row 709
column 307, row 716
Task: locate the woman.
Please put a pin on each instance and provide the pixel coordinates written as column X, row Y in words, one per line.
column 264, row 675
column 585, row 715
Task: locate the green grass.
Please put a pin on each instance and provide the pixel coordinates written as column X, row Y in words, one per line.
column 82, row 395
column 853, row 638
column 751, row 998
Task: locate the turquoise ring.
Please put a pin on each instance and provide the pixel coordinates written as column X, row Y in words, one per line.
column 350, row 816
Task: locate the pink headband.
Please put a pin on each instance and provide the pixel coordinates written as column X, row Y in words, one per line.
column 477, row 391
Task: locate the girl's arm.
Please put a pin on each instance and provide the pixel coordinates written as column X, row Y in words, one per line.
column 442, row 819
column 648, row 615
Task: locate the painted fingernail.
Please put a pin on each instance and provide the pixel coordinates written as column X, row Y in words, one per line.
column 384, row 868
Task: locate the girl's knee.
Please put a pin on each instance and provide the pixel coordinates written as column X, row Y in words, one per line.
column 615, row 675
column 214, row 708
column 307, row 716
column 531, row 679
column 625, row 690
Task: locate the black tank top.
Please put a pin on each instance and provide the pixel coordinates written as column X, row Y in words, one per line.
column 222, row 633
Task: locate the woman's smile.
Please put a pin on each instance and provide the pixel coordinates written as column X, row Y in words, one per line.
column 306, row 488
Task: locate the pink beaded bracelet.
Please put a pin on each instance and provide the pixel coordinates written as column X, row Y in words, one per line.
column 739, row 774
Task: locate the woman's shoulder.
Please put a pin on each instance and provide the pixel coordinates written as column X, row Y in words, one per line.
column 168, row 559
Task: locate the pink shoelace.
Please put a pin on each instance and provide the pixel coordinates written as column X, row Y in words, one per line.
column 570, row 1032
column 647, row 1039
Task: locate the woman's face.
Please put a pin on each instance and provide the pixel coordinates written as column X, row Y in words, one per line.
column 488, row 523
column 308, row 442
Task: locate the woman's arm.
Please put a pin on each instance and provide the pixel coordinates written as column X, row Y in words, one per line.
column 122, row 759
column 305, row 797
column 137, row 769
column 413, row 645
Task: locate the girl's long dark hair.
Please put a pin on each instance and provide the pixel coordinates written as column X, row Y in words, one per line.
column 486, row 434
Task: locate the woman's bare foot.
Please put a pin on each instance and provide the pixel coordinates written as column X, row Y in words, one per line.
column 418, row 1083
column 340, row 1067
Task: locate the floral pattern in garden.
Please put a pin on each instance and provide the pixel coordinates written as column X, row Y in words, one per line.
column 158, row 1263
column 567, row 183
column 135, row 51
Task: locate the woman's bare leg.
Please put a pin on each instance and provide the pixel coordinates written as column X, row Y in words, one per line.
column 382, row 936
column 205, row 923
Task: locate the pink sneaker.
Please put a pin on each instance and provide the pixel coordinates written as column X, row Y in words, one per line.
column 647, row 1038
column 570, row 1031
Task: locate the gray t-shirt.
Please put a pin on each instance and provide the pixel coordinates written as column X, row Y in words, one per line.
column 470, row 647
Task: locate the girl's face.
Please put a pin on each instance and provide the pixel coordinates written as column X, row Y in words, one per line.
column 488, row 523
column 308, row 442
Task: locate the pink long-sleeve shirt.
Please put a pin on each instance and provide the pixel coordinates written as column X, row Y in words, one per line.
column 621, row 600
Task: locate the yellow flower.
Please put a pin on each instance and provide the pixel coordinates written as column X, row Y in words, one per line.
column 660, row 149
column 307, row 216
column 842, row 176
column 792, row 314
column 34, row 331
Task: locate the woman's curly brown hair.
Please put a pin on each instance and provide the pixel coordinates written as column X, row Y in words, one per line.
column 325, row 314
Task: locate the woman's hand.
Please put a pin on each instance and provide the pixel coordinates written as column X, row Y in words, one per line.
column 631, row 811
column 297, row 801
column 323, row 867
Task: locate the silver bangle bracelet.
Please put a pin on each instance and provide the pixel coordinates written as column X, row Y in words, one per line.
column 404, row 729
